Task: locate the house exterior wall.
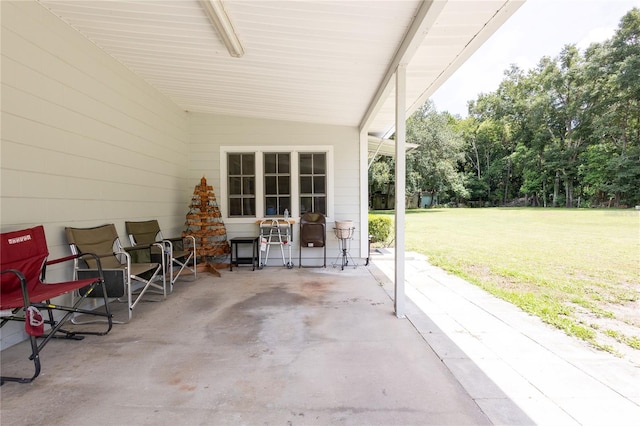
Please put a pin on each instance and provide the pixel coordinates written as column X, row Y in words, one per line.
column 210, row 135
column 83, row 140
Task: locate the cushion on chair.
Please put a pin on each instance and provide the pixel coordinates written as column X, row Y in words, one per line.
column 312, row 230
column 144, row 232
column 99, row 240
column 26, row 251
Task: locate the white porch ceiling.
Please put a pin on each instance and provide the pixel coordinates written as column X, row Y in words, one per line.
column 308, row 61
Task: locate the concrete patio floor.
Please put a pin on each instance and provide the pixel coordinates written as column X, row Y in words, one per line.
column 275, row 346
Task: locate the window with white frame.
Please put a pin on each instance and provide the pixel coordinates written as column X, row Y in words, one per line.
column 277, row 183
column 265, row 181
column 241, row 184
column 313, row 182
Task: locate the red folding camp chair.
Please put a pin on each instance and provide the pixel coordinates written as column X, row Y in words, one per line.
column 23, row 293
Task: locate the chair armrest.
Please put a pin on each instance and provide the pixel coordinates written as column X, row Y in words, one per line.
column 77, row 256
column 139, row 247
column 62, row 259
column 187, row 238
column 140, row 253
column 23, row 284
column 174, row 239
column 74, row 257
column 180, row 239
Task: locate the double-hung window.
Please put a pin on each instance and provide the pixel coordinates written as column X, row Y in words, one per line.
column 242, row 184
column 313, row 182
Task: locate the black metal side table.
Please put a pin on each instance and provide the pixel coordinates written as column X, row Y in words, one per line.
column 253, row 260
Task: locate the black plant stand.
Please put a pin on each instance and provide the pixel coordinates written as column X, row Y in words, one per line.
column 344, row 236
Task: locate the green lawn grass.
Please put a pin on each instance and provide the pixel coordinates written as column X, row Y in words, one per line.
column 572, row 268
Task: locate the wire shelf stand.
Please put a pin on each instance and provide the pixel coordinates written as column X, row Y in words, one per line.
column 344, row 236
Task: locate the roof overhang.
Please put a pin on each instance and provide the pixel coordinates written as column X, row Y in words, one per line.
column 329, row 62
column 442, row 37
column 378, row 146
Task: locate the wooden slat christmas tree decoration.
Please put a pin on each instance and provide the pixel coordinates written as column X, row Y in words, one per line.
column 204, row 222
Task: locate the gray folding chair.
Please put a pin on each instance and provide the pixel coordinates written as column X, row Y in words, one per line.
column 122, row 274
column 179, row 253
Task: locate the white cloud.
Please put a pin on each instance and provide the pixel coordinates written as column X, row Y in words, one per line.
column 596, row 35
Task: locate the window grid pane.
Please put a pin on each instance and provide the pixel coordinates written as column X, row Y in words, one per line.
column 241, row 184
column 269, row 163
column 313, row 197
column 277, row 183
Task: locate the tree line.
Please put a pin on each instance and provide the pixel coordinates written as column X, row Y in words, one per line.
column 565, row 133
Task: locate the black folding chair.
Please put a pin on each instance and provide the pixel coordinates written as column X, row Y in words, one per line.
column 313, row 233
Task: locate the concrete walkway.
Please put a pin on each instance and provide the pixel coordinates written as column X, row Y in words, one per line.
column 506, row 358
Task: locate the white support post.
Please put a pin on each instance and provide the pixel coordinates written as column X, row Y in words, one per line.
column 401, row 167
column 364, row 196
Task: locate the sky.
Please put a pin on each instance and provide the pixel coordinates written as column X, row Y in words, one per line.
column 538, row 28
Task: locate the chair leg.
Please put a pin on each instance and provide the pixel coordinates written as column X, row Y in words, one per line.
column 110, row 321
column 172, row 262
column 56, row 327
column 182, row 266
column 35, row 357
column 64, row 333
column 147, row 283
column 324, row 264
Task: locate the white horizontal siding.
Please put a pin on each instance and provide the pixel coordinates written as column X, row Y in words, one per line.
column 209, row 132
column 84, row 141
column 78, row 126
